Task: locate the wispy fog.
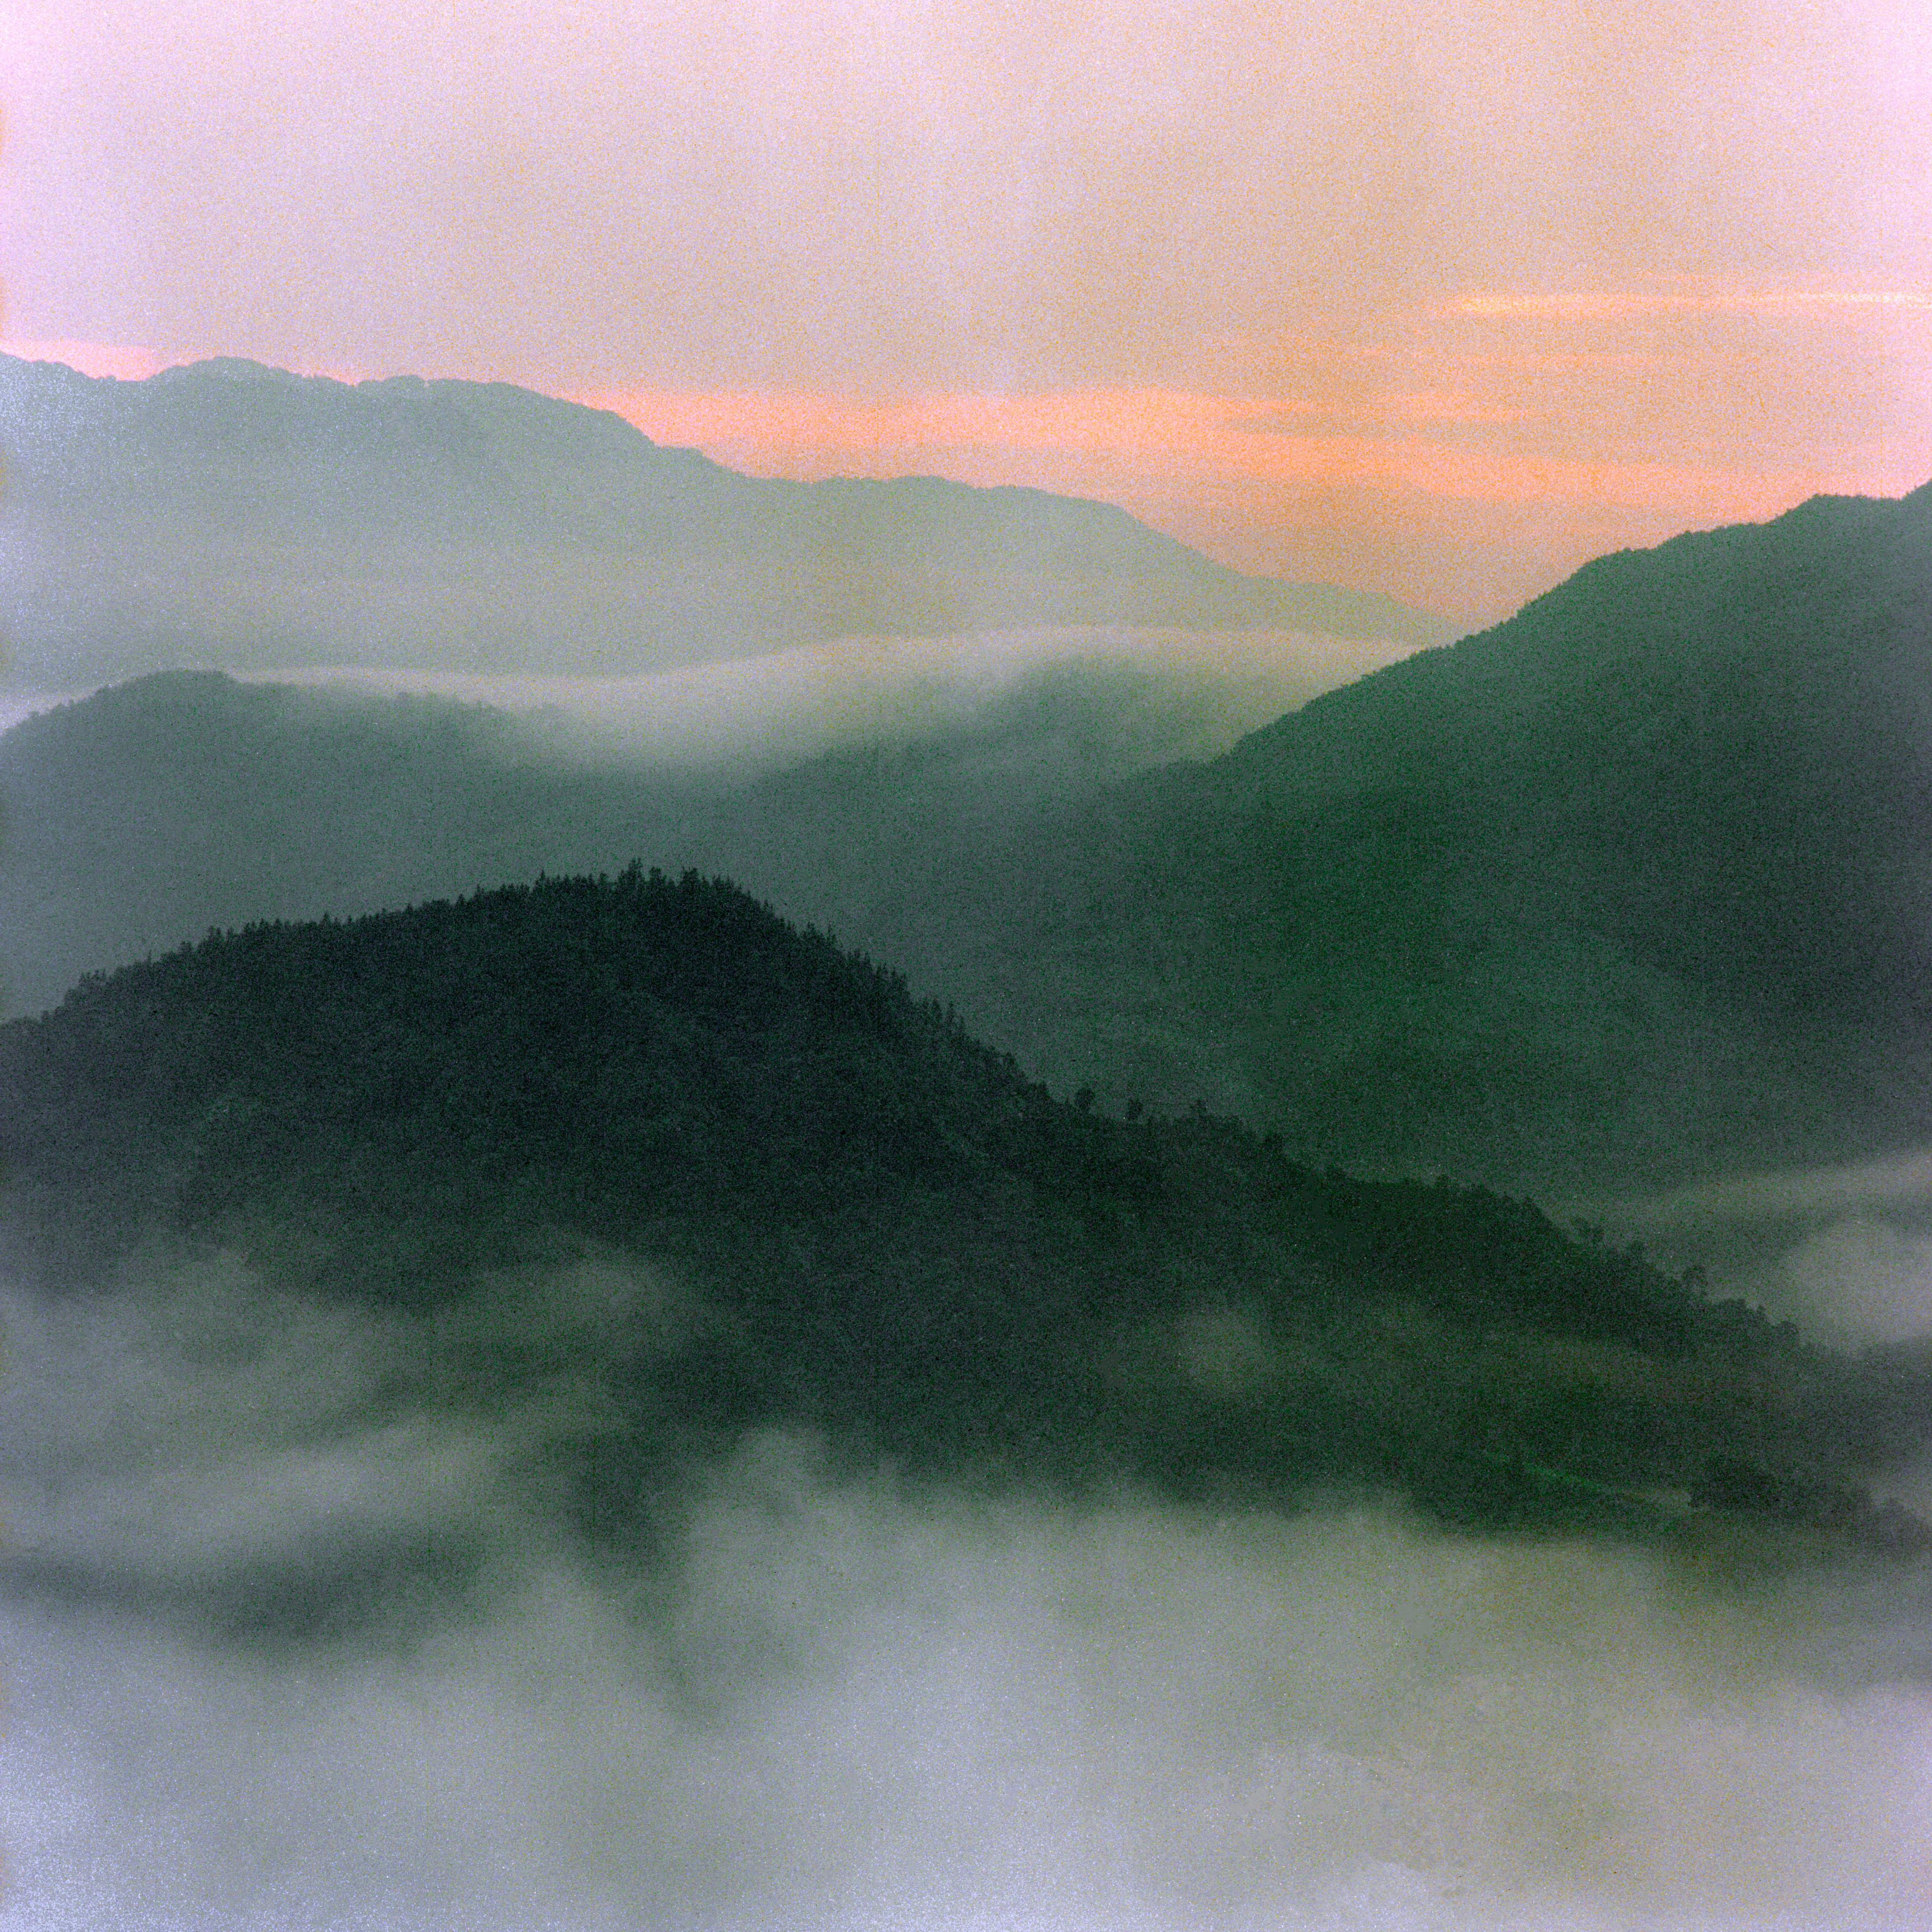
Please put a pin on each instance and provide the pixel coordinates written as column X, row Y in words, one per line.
column 136, row 822
column 834, row 1701
column 1188, row 693
column 1845, row 1251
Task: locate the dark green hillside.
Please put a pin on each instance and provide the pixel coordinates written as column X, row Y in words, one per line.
column 891, row 1232
column 1631, row 887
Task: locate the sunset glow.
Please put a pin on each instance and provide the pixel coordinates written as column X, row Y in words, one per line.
column 1620, row 415
column 1437, row 302
column 114, row 359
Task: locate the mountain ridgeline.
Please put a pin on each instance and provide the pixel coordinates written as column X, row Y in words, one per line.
column 1628, row 891
column 1631, row 888
column 877, row 1227
column 225, row 514
column 139, row 816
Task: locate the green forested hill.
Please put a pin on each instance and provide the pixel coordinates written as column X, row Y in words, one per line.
column 884, row 1229
column 1633, row 887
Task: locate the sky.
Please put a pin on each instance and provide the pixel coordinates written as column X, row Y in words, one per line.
column 1439, row 298
column 1435, row 297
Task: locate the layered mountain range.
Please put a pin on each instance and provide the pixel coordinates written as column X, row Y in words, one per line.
column 1181, row 1143
column 1629, row 889
column 1636, row 882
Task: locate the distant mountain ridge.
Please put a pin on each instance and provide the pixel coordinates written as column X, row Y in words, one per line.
column 137, row 817
column 1630, row 891
column 226, row 514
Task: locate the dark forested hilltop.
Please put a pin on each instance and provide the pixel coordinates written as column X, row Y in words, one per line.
column 890, row 1231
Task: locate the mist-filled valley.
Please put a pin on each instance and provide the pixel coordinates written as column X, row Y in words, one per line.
column 843, row 1700
column 590, row 1407
column 991, row 1230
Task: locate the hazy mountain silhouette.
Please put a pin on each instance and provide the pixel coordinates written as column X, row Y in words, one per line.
column 878, row 1227
column 139, row 818
column 225, row 514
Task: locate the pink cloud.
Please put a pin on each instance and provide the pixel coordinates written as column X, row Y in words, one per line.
column 1579, row 305
column 1387, row 438
column 119, row 359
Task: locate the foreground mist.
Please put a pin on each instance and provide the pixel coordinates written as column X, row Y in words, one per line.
column 296, row 1639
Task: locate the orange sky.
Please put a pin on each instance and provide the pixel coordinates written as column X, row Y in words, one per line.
column 1439, row 298
column 1478, row 456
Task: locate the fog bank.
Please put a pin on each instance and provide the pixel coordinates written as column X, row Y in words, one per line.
column 839, row 1701
column 1846, row 1251
column 1181, row 693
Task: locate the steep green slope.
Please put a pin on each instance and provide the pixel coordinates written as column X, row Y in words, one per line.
column 880, row 1227
column 1632, row 886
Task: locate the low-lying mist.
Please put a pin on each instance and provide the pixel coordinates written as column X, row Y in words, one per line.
column 300, row 1633
column 136, row 820
column 1168, row 693
column 1845, row 1251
